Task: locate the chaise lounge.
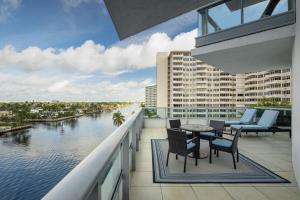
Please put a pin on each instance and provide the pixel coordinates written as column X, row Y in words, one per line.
column 265, row 123
column 247, row 118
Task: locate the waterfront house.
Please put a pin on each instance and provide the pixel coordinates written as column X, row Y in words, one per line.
column 6, row 114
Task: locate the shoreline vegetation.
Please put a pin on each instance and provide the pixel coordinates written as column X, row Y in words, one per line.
column 56, row 120
column 16, row 116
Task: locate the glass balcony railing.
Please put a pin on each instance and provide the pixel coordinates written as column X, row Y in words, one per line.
column 233, row 13
column 193, row 112
column 207, row 113
column 105, row 173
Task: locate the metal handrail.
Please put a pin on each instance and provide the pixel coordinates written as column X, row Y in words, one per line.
column 82, row 180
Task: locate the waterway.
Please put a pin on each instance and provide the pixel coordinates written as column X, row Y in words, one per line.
column 33, row 161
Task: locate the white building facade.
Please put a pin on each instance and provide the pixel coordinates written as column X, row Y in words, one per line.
column 184, row 82
column 150, row 96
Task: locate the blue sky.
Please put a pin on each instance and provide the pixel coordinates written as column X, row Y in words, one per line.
column 69, row 50
column 56, row 24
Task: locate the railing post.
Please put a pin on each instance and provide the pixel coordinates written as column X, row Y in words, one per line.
column 166, row 116
column 227, row 112
column 206, row 115
column 96, row 193
column 133, row 146
column 242, row 11
column 139, row 123
column 125, row 168
column 186, row 116
column 291, row 4
column 137, row 144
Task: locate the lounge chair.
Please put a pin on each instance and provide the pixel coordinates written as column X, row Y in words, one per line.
column 247, row 118
column 180, row 145
column 265, row 123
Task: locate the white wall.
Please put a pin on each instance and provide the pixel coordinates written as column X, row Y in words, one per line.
column 296, row 99
column 162, row 79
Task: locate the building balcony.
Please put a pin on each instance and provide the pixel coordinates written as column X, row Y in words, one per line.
column 246, row 36
column 121, row 167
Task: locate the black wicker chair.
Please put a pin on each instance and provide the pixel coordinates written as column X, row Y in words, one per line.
column 226, row 145
column 217, row 132
column 180, row 145
column 176, row 124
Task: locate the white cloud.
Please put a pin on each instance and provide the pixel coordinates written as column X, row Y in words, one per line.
column 75, row 3
column 24, row 74
column 7, row 7
column 58, row 86
column 91, row 57
column 20, row 87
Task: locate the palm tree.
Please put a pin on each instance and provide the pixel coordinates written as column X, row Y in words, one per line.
column 118, row 118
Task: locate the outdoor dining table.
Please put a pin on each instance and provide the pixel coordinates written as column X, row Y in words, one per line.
column 196, row 129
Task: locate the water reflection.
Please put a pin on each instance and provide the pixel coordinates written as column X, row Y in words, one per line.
column 73, row 123
column 17, row 138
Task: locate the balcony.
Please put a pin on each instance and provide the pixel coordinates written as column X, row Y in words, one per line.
column 142, row 186
column 237, row 35
column 121, row 167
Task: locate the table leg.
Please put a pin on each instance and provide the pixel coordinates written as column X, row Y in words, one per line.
column 201, row 154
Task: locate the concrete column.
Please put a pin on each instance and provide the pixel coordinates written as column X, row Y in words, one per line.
column 296, row 98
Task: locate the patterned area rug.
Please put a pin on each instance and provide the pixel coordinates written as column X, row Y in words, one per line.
column 220, row 171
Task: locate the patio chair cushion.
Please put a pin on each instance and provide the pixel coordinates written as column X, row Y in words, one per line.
column 190, row 145
column 232, row 122
column 268, row 118
column 248, row 116
column 248, row 127
column 210, row 134
column 223, row 143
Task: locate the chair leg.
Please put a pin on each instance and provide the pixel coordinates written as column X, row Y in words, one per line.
column 210, row 155
column 233, row 160
column 217, row 153
column 176, row 156
column 237, row 155
column 168, row 158
column 184, row 169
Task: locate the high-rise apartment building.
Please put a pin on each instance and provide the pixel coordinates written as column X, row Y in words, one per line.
column 273, row 84
column 150, row 96
column 184, row 82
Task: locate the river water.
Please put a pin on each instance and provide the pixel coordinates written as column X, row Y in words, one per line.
column 35, row 160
